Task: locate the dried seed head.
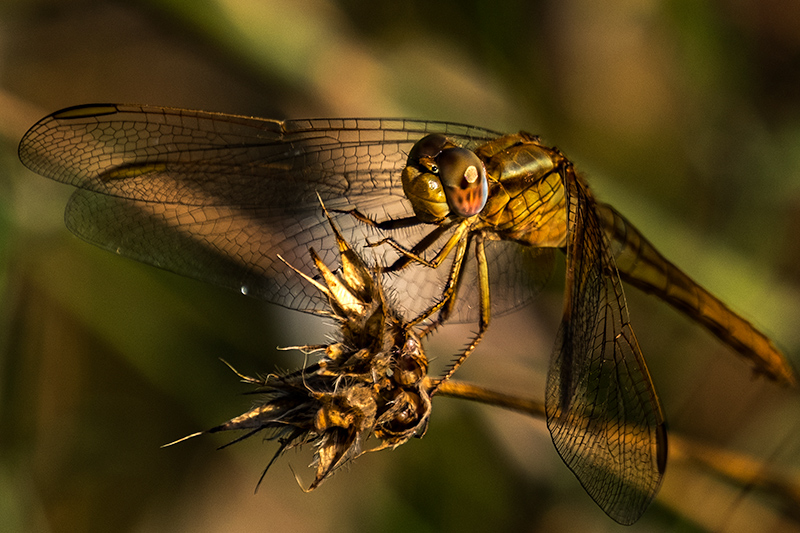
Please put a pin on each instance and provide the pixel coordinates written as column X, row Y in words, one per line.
column 372, row 382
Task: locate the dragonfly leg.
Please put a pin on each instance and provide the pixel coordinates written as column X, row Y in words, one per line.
column 485, row 309
column 389, row 224
column 407, row 256
column 459, row 241
column 414, row 254
column 411, row 255
column 426, row 242
column 444, row 303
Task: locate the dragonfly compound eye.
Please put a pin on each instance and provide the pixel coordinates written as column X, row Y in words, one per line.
column 429, row 146
column 424, row 153
column 421, row 183
column 464, row 179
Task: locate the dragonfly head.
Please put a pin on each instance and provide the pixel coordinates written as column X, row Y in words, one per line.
column 442, row 178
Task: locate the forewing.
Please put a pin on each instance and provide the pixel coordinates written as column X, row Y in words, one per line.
column 196, row 156
column 602, row 409
column 217, row 197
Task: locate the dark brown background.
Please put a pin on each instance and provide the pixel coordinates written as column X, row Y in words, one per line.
column 684, row 114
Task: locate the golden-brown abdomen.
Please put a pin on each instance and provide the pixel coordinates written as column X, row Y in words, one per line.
column 640, row 264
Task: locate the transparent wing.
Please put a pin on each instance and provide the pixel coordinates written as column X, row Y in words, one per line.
column 217, row 197
column 602, row 409
column 198, row 157
column 232, row 248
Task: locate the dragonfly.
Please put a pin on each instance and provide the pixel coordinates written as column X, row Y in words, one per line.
column 463, row 221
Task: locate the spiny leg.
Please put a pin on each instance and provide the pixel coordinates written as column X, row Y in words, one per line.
column 460, row 241
column 406, row 256
column 413, row 254
column 485, row 310
column 389, row 224
column 446, row 302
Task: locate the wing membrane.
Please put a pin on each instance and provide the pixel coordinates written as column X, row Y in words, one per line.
column 217, row 197
column 120, row 150
column 602, row 409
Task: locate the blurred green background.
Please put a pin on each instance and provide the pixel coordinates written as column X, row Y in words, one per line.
column 684, row 114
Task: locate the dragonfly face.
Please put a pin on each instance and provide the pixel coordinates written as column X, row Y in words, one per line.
column 218, row 197
column 442, row 178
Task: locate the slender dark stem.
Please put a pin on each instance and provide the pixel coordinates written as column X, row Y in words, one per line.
column 454, row 388
column 739, row 468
